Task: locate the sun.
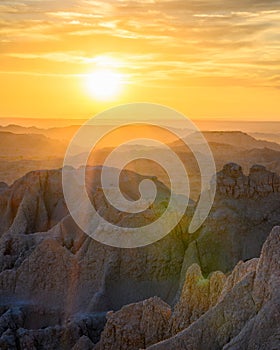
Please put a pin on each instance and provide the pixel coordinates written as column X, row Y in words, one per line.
column 104, row 84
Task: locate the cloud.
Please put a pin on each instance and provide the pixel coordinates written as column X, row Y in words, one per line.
column 231, row 42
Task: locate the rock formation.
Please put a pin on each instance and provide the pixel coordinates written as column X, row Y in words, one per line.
column 145, row 323
column 259, row 183
column 197, row 296
column 238, row 312
column 245, row 210
column 248, row 315
column 46, row 261
column 136, row 326
column 57, row 284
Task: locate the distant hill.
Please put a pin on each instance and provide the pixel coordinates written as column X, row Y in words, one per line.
column 237, row 139
column 234, row 138
column 30, row 146
column 66, row 133
column 21, row 153
column 60, row 133
column 272, row 137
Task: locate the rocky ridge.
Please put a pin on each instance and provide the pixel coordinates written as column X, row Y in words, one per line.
column 235, row 314
column 259, row 183
column 247, row 317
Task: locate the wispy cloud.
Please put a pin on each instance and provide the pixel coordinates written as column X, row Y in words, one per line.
column 192, row 41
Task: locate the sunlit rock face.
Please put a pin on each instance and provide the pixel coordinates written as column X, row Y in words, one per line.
column 198, row 295
column 247, row 315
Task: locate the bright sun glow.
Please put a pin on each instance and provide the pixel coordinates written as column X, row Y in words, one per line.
column 104, row 84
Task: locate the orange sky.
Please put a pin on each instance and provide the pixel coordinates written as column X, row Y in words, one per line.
column 208, row 59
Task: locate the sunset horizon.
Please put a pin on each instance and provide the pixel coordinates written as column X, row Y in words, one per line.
column 208, row 61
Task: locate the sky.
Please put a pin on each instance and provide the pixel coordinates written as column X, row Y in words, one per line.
column 207, row 59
